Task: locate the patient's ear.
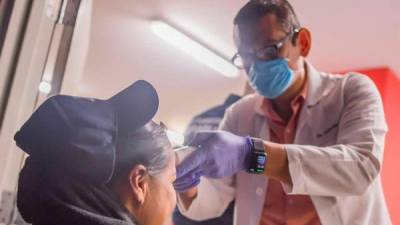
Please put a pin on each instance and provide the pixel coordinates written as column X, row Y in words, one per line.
column 139, row 184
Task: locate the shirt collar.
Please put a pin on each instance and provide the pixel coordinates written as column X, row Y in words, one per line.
column 264, row 106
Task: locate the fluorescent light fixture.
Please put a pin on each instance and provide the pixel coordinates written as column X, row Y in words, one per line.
column 45, row 87
column 194, row 49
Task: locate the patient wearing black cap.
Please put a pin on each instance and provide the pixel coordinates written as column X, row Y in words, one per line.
column 97, row 162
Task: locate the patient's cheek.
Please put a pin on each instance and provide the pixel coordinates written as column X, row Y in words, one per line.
column 168, row 196
column 168, row 190
column 172, row 194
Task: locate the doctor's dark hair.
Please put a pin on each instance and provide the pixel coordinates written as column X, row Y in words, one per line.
column 254, row 10
column 148, row 146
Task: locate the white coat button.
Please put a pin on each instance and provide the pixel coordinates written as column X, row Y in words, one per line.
column 259, row 191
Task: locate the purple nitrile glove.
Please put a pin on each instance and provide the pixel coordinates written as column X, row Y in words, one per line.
column 219, row 154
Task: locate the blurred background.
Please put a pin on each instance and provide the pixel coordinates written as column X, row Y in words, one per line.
column 95, row 48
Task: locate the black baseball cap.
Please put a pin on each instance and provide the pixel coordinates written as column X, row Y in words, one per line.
column 78, row 136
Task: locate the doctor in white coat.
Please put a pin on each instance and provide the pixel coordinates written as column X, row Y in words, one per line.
column 307, row 148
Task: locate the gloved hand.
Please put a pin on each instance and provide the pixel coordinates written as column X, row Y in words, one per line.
column 219, row 154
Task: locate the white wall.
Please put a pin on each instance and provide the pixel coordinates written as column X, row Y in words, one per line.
column 76, row 62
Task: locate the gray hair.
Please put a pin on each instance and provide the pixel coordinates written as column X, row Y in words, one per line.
column 149, row 146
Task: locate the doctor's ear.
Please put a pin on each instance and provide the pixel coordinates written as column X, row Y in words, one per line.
column 303, row 40
column 139, row 184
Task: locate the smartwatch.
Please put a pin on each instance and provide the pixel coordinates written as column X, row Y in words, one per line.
column 258, row 157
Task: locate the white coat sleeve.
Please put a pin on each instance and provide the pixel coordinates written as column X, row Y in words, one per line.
column 349, row 167
column 214, row 195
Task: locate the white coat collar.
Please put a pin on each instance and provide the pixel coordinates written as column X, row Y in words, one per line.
column 318, row 88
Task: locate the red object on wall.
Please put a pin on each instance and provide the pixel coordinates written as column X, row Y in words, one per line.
column 389, row 87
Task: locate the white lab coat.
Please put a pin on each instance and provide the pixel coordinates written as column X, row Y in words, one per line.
column 336, row 158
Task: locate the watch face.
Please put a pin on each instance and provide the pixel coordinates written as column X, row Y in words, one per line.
column 261, row 160
column 258, row 163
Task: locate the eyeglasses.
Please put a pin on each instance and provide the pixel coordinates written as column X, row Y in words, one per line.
column 268, row 52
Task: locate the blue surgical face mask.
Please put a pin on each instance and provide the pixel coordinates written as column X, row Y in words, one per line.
column 271, row 78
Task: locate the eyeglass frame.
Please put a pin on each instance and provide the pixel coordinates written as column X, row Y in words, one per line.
column 277, row 46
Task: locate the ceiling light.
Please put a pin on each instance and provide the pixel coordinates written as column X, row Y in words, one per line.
column 194, row 49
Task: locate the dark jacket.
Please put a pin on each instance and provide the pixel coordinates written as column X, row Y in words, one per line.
column 48, row 198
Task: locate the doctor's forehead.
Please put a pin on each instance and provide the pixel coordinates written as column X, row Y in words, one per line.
column 255, row 35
